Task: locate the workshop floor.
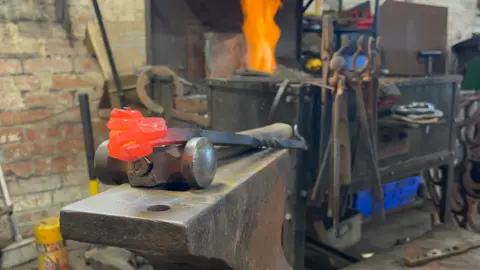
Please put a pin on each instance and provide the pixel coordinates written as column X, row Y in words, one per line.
column 76, row 256
column 99, row 258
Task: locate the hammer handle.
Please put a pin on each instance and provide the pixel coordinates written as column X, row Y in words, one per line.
column 278, row 131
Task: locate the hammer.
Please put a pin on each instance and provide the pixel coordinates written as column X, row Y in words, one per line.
column 193, row 163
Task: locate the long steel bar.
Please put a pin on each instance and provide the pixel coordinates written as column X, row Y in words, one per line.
column 182, row 135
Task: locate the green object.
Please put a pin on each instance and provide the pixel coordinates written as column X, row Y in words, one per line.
column 471, row 79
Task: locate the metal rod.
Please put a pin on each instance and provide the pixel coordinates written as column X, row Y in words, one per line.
column 307, row 5
column 88, row 141
column 60, row 10
column 449, row 169
column 9, row 208
column 300, row 206
column 298, row 45
column 330, row 251
column 376, row 17
column 108, row 49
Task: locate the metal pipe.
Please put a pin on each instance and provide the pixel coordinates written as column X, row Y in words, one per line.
column 9, row 208
column 108, row 49
column 376, row 17
column 298, row 45
column 309, row 3
column 301, row 175
column 88, row 141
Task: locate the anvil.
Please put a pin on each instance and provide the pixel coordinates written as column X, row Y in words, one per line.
column 236, row 223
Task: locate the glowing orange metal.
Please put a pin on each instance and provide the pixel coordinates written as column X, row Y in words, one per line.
column 132, row 136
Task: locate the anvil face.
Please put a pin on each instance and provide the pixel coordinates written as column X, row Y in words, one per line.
column 234, row 224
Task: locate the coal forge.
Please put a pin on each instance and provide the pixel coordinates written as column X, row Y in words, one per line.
column 231, row 56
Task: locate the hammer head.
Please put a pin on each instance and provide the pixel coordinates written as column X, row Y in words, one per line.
column 109, row 171
column 193, row 163
column 199, row 162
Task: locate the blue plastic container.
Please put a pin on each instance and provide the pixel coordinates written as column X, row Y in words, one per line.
column 360, row 61
column 396, row 194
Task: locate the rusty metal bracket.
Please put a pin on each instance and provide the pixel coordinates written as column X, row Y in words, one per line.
column 439, row 253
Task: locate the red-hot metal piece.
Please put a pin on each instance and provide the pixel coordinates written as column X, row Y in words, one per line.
column 131, row 135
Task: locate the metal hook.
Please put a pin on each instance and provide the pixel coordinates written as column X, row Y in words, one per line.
column 299, row 137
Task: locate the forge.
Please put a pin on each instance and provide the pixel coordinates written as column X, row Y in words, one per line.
column 200, row 39
column 229, row 47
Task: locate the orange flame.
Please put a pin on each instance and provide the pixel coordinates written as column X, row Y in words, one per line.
column 261, row 32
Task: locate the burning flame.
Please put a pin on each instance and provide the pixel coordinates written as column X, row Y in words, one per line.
column 262, row 33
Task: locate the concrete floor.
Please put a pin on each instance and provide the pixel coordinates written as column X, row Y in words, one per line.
column 76, row 257
column 99, row 258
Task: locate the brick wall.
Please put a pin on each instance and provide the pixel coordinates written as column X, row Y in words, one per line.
column 43, row 68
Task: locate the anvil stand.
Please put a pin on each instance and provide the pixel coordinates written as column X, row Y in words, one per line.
column 294, row 230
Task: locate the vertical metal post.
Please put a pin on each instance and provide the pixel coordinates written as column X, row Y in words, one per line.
column 9, row 208
column 108, row 49
column 336, row 33
column 298, row 45
column 448, row 170
column 376, row 17
column 299, row 214
column 88, row 141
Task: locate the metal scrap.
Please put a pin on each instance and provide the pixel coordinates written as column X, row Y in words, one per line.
column 144, row 79
column 465, row 190
column 439, row 253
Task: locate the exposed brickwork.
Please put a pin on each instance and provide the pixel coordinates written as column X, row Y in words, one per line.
column 57, row 164
column 58, row 65
column 10, row 67
column 21, row 169
column 11, row 118
column 48, row 99
column 70, row 81
column 43, row 67
column 11, row 135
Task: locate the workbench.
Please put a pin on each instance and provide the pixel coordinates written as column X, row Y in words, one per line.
column 441, row 236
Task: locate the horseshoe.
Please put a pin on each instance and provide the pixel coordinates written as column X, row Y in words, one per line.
column 470, row 120
column 459, row 205
column 144, row 79
column 473, row 215
column 466, row 155
column 428, row 175
column 470, row 133
column 471, row 188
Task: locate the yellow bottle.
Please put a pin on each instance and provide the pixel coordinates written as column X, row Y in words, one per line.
column 52, row 253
